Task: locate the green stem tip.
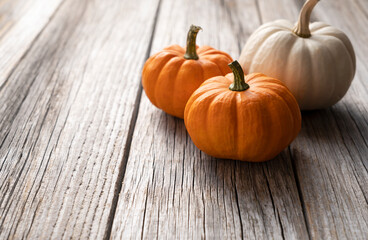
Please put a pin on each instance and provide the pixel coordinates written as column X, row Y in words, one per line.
column 239, row 83
column 191, row 52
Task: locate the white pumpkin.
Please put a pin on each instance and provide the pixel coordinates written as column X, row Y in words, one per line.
column 315, row 61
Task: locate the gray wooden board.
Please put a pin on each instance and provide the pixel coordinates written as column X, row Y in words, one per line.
column 65, row 117
column 20, row 23
column 170, row 188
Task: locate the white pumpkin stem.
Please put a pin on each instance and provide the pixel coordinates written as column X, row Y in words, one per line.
column 302, row 27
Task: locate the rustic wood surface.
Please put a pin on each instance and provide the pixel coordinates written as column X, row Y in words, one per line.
column 84, row 155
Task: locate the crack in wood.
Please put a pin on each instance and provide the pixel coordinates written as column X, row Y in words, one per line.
column 300, row 193
column 122, row 168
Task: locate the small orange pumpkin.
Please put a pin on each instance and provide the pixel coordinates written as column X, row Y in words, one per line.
column 251, row 119
column 170, row 76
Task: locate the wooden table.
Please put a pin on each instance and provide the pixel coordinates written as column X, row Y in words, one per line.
column 84, row 155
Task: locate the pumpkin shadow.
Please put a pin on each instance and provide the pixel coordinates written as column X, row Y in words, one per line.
column 254, row 191
column 341, row 126
column 254, row 188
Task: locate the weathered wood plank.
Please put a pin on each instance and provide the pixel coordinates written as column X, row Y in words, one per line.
column 20, row 23
column 68, row 107
column 331, row 167
column 171, row 189
column 272, row 10
column 330, row 154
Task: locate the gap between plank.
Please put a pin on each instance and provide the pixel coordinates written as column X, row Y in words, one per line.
column 259, row 12
column 123, row 164
column 299, row 4
column 237, row 202
column 301, row 198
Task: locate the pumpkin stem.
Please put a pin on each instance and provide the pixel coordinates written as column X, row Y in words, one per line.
column 302, row 27
column 239, row 83
column 191, row 52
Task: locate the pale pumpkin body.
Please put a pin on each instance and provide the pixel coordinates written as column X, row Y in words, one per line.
column 318, row 69
column 251, row 125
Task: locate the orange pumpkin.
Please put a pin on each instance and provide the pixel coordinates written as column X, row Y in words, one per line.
column 251, row 119
column 171, row 76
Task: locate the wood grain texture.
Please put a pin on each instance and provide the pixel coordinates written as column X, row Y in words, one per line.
column 282, row 9
column 68, row 108
column 20, row 23
column 330, row 153
column 85, row 155
column 171, row 189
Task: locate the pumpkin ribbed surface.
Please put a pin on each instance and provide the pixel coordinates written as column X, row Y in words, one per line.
column 252, row 125
column 169, row 79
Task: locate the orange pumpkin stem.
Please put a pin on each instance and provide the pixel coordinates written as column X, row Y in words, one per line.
column 239, row 83
column 191, row 52
column 302, row 27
